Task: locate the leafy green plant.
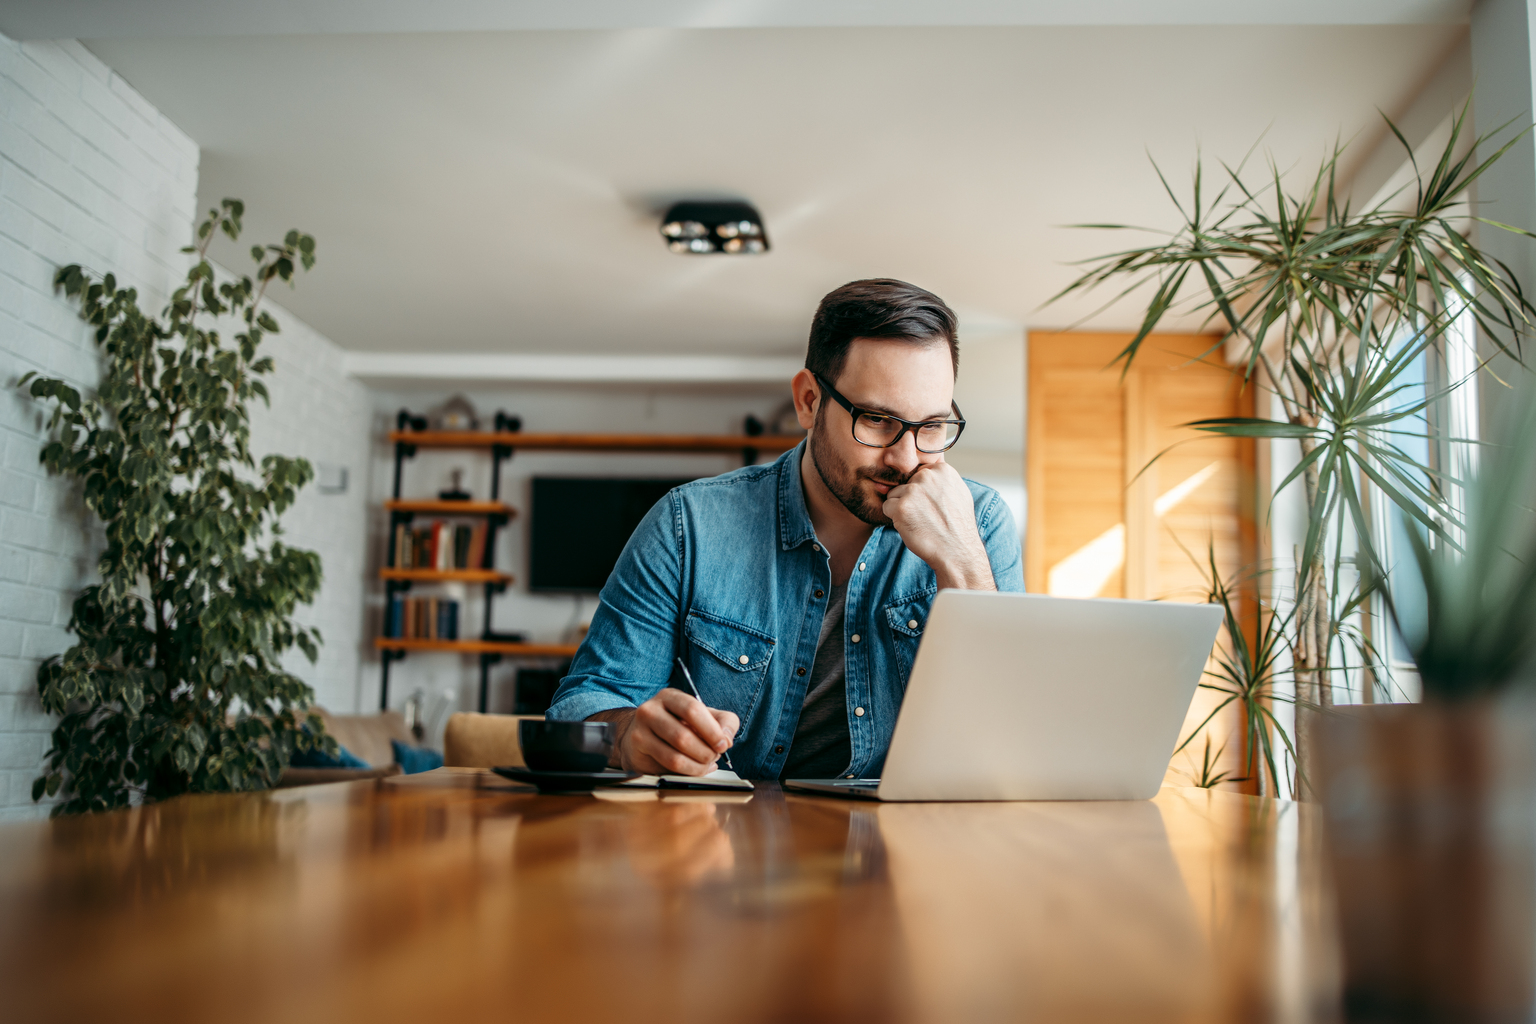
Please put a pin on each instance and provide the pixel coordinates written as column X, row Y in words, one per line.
column 1208, row 777
column 1247, row 662
column 1479, row 633
column 1329, row 308
column 175, row 683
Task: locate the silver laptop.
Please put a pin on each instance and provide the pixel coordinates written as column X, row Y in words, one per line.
column 1023, row 697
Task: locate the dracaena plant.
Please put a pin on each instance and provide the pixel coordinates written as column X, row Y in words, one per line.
column 1243, row 674
column 1478, row 633
column 175, row 683
column 1330, row 307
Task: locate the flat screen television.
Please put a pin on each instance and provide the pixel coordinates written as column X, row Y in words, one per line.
column 579, row 527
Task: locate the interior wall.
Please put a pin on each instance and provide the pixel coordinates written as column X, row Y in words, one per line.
column 91, row 173
column 320, row 414
column 991, row 393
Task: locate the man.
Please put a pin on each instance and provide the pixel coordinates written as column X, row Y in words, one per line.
column 797, row 592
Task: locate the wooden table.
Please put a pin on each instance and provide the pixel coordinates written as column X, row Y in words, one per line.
column 454, row 896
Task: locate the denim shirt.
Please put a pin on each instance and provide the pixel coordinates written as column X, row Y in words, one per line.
column 727, row 573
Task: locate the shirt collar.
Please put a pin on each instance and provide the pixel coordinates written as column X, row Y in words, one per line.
column 794, row 521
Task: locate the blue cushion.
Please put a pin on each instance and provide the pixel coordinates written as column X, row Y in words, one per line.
column 343, row 758
column 415, row 759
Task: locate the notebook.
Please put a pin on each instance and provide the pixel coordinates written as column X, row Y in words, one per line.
column 721, row 779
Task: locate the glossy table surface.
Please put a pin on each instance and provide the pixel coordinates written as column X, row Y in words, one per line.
column 456, row 896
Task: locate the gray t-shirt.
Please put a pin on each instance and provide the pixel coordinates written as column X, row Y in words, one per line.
column 821, row 748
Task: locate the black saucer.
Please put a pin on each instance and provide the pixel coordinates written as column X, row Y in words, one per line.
column 564, row 782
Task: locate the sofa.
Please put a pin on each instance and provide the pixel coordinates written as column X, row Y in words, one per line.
column 366, row 736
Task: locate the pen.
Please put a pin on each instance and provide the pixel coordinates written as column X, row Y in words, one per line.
column 688, row 678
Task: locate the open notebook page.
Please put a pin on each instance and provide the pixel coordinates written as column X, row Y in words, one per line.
column 721, row 779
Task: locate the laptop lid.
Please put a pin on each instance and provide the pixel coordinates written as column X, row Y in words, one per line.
column 1025, row 697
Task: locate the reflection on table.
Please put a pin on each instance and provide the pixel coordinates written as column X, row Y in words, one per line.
column 458, row 896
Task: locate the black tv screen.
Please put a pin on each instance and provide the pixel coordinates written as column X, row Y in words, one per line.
column 580, row 525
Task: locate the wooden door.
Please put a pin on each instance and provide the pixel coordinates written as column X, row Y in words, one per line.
column 1109, row 516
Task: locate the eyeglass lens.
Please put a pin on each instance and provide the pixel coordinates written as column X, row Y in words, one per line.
column 879, row 431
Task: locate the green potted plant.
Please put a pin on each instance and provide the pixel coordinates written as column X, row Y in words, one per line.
column 1245, row 666
column 1432, row 807
column 175, row 683
column 1328, row 308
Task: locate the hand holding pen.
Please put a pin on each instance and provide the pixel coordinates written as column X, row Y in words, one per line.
column 688, row 678
column 673, row 733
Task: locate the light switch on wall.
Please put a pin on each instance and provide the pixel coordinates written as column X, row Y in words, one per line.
column 331, row 478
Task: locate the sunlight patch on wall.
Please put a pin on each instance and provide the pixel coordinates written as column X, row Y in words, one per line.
column 1084, row 572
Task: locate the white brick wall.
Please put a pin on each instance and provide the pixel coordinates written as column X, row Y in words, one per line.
column 92, row 173
column 89, row 173
column 321, row 414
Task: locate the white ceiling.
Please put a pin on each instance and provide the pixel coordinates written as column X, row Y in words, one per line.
column 498, row 192
column 52, row 19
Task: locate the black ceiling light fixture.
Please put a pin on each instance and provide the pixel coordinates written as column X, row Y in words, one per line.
column 705, row 227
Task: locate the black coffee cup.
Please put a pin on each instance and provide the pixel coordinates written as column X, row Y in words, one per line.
column 566, row 746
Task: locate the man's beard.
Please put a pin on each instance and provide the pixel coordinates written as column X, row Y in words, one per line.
column 843, row 481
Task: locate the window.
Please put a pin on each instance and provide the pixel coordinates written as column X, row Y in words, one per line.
column 1443, row 438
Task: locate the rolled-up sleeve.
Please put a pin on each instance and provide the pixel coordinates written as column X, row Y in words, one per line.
column 1001, row 537
column 627, row 655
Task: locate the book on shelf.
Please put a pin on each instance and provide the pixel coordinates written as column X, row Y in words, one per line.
column 440, row 546
column 421, row 618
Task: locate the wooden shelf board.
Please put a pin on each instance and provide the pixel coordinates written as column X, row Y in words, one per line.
column 594, row 442
column 451, row 508
column 446, row 575
column 477, row 647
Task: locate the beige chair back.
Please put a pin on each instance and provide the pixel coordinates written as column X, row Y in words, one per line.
column 473, row 740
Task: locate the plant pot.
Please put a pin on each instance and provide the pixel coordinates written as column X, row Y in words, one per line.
column 1431, row 812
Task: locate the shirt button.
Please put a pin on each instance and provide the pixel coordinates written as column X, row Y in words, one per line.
column 911, row 623
column 820, row 593
column 815, row 547
column 799, row 671
column 850, row 776
column 854, row 638
column 859, row 712
column 861, row 567
column 779, row 749
column 743, row 659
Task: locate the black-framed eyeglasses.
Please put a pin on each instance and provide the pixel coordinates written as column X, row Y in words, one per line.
column 881, row 430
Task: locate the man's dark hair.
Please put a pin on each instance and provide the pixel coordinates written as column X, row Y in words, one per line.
column 877, row 308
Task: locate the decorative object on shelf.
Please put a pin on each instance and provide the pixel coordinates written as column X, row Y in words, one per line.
column 455, row 414
column 1431, row 807
column 700, row 228
column 176, row 683
column 456, row 492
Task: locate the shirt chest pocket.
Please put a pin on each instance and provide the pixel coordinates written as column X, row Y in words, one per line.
column 906, row 618
column 729, row 662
